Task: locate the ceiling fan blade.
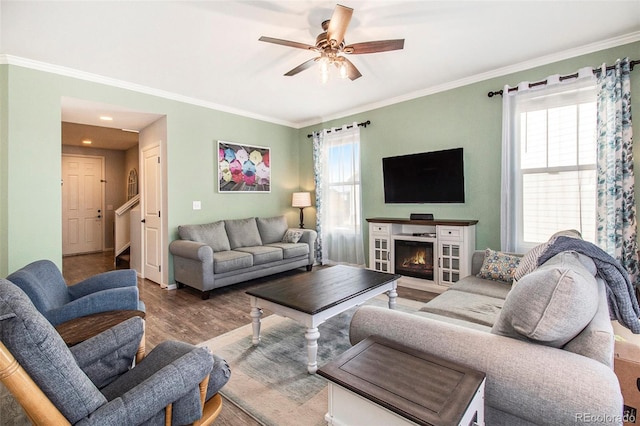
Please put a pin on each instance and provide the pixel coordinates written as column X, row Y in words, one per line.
column 287, row 43
column 374, row 46
column 338, row 24
column 352, row 71
column 303, row 66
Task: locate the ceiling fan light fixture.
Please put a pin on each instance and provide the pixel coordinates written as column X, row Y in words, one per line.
column 344, row 73
column 324, row 63
column 330, row 44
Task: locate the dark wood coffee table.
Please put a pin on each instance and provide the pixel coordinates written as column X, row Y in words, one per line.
column 314, row 297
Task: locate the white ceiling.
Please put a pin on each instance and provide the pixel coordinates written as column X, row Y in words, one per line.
column 208, row 53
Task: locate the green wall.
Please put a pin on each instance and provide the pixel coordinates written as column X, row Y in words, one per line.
column 30, row 150
column 462, row 117
column 30, row 203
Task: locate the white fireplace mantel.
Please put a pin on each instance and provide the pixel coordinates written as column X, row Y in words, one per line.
column 454, row 243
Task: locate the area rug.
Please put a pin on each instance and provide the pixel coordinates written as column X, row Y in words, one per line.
column 270, row 381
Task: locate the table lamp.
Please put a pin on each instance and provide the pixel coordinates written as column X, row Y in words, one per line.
column 301, row 200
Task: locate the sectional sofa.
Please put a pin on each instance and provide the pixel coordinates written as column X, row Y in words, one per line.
column 545, row 344
column 217, row 254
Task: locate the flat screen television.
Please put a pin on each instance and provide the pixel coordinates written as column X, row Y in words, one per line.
column 427, row 177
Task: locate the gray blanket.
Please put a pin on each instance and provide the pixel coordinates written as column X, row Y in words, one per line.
column 623, row 305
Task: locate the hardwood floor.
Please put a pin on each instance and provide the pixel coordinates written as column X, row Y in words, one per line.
column 183, row 315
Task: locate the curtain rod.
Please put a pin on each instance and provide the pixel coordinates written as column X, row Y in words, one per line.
column 562, row 78
column 363, row 124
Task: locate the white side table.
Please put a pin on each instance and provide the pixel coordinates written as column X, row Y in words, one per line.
column 380, row 383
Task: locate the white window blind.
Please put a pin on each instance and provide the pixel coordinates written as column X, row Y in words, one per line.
column 556, row 164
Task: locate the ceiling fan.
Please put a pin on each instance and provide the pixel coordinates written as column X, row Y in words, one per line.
column 331, row 46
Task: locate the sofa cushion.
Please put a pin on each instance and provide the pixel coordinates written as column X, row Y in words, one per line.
column 212, row 234
column 498, row 266
column 291, row 250
column 231, row 260
column 45, row 357
column 272, row 229
column 475, row 285
column 263, row 254
column 552, row 304
column 243, row 232
column 466, row 306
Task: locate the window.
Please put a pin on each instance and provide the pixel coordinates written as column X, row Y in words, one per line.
column 343, row 185
column 337, row 173
column 554, row 164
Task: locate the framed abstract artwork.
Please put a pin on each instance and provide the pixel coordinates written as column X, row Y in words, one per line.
column 243, row 168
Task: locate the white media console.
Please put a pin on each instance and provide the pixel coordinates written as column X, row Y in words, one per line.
column 438, row 251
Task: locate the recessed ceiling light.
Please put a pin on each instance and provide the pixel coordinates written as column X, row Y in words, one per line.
column 86, row 142
column 106, row 118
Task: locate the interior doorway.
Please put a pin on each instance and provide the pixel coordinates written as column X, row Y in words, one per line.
column 121, row 135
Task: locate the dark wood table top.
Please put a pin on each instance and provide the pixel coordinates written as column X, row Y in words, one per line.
column 80, row 329
column 423, row 388
column 319, row 290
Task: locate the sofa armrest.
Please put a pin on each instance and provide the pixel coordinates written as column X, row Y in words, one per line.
column 123, row 298
column 106, row 280
column 537, row 383
column 191, row 250
column 309, row 237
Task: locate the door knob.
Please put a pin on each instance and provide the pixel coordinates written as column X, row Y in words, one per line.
column 143, row 221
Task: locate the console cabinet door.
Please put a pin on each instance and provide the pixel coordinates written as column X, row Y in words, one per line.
column 455, row 247
column 380, row 247
column 449, row 265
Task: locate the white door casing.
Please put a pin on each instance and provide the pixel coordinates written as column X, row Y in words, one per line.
column 151, row 195
column 82, row 204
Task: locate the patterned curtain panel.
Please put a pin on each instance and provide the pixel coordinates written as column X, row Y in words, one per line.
column 318, row 138
column 616, row 212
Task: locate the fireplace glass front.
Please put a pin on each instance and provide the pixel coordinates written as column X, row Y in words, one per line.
column 414, row 259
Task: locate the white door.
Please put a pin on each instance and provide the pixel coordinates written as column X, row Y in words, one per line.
column 82, row 204
column 151, row 224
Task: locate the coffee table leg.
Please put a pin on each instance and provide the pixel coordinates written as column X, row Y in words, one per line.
column 312, row 336
column 256, row 314
column 393, row 294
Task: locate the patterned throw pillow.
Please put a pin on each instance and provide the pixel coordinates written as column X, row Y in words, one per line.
column 292, row 236
column 498, row 266
column 529, row 261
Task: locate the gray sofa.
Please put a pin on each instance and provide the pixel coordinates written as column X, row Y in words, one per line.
column 227, row 252
column 545, row 343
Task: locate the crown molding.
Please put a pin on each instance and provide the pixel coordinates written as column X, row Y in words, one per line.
column 96, row 78
column 6, row 59
column 499, row 72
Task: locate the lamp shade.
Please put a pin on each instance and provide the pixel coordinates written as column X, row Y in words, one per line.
column 301, row 199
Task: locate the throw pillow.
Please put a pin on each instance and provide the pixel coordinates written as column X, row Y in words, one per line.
column 550, row 305
column 529, row 261
column 498, row 266
column 292, row 236
column 272, row 229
